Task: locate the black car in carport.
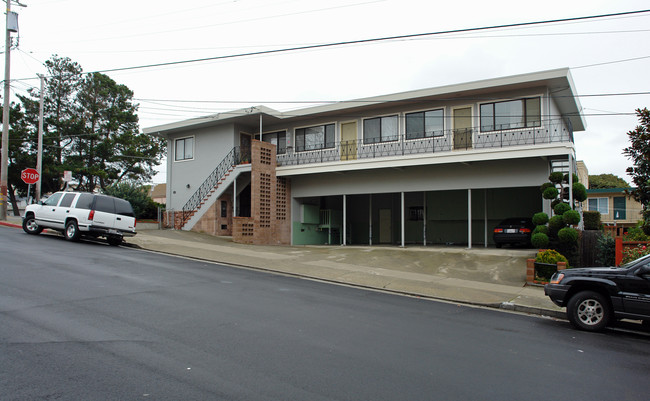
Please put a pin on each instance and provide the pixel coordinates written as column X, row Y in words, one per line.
column 513, row 231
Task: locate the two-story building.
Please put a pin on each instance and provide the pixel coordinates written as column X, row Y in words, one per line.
column 433, row 166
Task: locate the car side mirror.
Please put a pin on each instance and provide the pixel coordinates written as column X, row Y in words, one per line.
column 645, row 272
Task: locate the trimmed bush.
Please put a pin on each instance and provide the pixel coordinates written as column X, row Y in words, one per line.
column 545, row 185
column 555, row 224
column 571, row 217
column 579, row 192
column 540, row 229
column 592, row 220
column 539, row 240
column 561, row 208
column 568, row 235
column 550, row 193
column 575, row 178
column 550, row 256
column 540, row 218
column 556, row 178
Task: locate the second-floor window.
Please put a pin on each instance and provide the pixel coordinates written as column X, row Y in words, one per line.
column 380, row 129
column 279, row 139
column 511, row 114
column 315, row 138
column 184, row 149
column 424, row 124
column 599, row 205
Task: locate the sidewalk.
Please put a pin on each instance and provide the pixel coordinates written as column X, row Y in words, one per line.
column 477, row 276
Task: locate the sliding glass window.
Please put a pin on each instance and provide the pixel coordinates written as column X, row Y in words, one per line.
column 512, row 114
column 424, row 124
column 315, row 138
column 380, row 129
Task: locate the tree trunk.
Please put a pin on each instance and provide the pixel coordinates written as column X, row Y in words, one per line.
column 14, row 203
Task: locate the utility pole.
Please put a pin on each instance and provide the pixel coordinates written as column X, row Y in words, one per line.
column 5, row 121
column 39, row 155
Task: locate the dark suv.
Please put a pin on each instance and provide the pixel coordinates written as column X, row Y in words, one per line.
column 594, row 297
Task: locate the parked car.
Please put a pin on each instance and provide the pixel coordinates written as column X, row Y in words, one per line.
column 595, row 297
column 513, row 231
column 77, row 214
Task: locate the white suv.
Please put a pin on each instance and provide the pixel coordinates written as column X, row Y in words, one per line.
column 79, row 213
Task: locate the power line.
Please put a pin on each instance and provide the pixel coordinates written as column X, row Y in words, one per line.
column 372, row 40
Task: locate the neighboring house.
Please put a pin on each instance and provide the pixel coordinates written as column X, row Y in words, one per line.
column 618, row 209
column 432, row 166
column 158, row 192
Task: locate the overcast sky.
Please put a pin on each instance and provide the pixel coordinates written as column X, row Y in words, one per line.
column 609, row 58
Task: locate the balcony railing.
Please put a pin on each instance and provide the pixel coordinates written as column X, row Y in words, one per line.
column 443, row 141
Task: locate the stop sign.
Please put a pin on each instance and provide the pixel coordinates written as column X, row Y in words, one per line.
column 30, row 176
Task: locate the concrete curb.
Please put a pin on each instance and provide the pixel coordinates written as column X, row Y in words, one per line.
column 2, row 223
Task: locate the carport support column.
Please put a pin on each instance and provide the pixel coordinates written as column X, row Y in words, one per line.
column 402, row 218
column 469, row 219
column 370, row 219
column 485, row 214
column 424, row 220
column 234, row 197
column 345, row 218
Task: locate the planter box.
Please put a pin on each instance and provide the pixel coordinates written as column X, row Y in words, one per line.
column 540, row 273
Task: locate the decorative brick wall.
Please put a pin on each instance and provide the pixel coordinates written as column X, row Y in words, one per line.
column 212, row 222
column 269, row 223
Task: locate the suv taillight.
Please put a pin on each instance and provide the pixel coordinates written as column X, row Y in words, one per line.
column 91, row 215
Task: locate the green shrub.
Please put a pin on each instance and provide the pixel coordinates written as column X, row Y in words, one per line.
column 539, row 240
column 568, row 235
column 636, row 234
column 560, row 208
column 555, row 224
column 540, row 218
column 550, row 256
column 550, row 193
column 143, row 206
column 556, row 178
column 575, row 178
column 545, row 185
column 592, row 220
column 606, row 251
column 540, row 229
column 579, row 192
column 571, row 217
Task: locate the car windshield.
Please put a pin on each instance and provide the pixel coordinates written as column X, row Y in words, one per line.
column 635, row 261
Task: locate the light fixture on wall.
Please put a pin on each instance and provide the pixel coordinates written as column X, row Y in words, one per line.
column 188, row 185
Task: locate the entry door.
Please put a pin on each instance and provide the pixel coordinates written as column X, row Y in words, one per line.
column 462, row 128
column 349, row 141
column 385, row 226
column 245, row 147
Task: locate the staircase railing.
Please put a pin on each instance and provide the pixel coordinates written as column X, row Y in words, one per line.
column 231, row 160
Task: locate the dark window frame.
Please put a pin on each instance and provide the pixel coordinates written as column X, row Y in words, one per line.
column 184, row 156
column 425, row 134
column 380, row 119
column 529, row 120
column 280, row 140
column 329, row 137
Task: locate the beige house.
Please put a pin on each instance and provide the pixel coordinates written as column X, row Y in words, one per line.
column 618, row 208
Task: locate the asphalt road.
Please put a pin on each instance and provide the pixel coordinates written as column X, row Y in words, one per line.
column 86, row 321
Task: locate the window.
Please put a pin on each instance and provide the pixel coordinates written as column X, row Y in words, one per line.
column 520, row 113
column 53, row 200
column 104, row 204
column 224, row 208
column 380, row 129
column 85, row 201
column 599, row 205
column 314, row 138
column 424, row 124
column 67, row 200
column 123, row 208
column 184, row 149
column 279, row 139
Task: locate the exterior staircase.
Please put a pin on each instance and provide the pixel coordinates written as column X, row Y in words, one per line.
column 212, row 188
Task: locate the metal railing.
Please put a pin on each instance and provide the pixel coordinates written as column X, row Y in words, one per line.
column 443, row 141
column 228, row 162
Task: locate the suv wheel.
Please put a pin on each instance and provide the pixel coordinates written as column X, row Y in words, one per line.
column 114, row 240
column 30, row 226
column 589, row 310
column 71, row 232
